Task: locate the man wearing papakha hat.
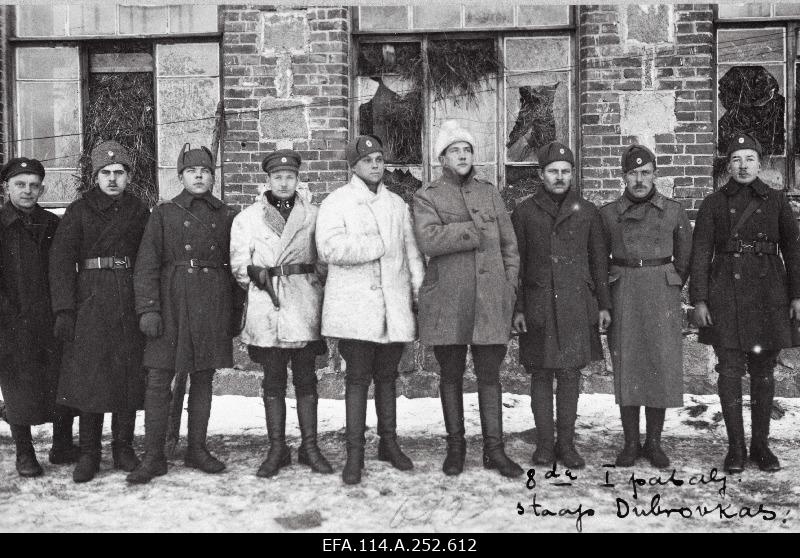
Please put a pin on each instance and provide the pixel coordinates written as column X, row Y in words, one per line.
column 364, row 234
column 650, row 240
column 185, row 301
column 563, row 299
column 274, row 257
column 91, row 284
column 467, row 298
column 30, row 356
column 745, row 287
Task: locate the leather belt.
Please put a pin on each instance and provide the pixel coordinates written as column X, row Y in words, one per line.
column 759, row 247
column 194, row 262
column 290, row 269
column 626, row 262
column 107, row 262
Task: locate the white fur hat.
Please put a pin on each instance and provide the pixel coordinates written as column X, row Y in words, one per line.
column 451, row 132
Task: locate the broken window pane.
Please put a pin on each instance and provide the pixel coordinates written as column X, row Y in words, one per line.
column 47, row 63
column 542, row 16
column 383, row 17
column 403, row 182
column 478, row 16
column 189, row 18
column 186, row 113
column 142, row 20
column 537, row 98
column 188, row 59
column 48, row 121
column 92, row 19
column 479, row 118
column 521, row 182
column 437, row 17
column 752, row 101
column 41, row 21
column 751, row 45
column 60, row 187
column 733, row 11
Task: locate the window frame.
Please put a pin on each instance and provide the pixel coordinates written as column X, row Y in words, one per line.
column 499, row 35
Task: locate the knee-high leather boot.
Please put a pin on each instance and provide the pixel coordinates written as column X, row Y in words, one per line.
column 90, row 430
column 309, row 452
column 27, row 464
column 762, row 392
column 490, row 402
column 386, row 410
column 730, row 398
column 197, row 455
column 356, row 418
column 122, row 428
column 452, row 395
column 279, row 455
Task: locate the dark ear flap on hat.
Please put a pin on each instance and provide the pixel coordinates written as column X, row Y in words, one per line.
column 208, row 152
column 184, row 149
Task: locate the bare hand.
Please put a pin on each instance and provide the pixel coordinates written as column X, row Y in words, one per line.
column 518, row 323
column 794, row 309
column 605, row 319
column 702, row 316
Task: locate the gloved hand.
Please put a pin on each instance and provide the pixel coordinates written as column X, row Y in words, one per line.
column 257, row 275
column 64, row 327
column 150, row 324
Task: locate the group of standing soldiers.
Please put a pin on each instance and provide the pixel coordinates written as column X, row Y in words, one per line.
column 101, row 311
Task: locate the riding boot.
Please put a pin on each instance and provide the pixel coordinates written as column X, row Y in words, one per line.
column 652, row 443
column 90, row 431
column 452, row 396
column 27, row 464
column 122, row 427
column 730, row 398
column 490, row 403
column 542, row 407
column 762, row 392
column 197, row 455
column 156, row 419
column 279, row 455
column 355, row 397
column 566, row 414
column 386, row 409
column 63, row 451
column 630, row 428
column 309, row 452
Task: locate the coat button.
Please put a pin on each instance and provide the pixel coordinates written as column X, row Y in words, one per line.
column 374, row 287
column 205, row 270
column 186, row 223
column 760, row 235
column 736, row 275
column 758, row 211
column 733, row 210
column 188, row 247
column 190, row 270
column 213, row 225
column 736, row 255
column 465, row 236
column 213, row 247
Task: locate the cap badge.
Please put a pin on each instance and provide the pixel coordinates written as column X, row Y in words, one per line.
column 638, row 160
column 110, row 153
column 283, row 159
column 741, row 140
column 23, row 164
column 561, row 151
column 369, row 143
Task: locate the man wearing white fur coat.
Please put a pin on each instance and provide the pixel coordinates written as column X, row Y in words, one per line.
column 274, row 257
column 364, row 234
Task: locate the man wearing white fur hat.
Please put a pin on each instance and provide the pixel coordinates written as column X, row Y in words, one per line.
column 468, row 295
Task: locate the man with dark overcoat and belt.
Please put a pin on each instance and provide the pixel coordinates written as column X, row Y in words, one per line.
column 185, row 300
column 563, row 299
column 650, row 240
column 30, row 356
column 91, row 284
column 745, row 287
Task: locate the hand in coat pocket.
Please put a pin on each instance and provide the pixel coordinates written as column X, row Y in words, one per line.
column 151, row 325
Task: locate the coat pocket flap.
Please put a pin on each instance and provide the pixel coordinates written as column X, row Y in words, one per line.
column 673, row 278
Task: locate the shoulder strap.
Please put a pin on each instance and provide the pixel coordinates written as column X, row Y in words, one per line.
column 746, row 214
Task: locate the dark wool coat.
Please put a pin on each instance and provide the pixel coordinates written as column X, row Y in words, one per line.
column 468, row 294
column 563, row 280
column 29, row 354
column 196, row 303
column 102, row 368
column 646, row 338
column 747, row 294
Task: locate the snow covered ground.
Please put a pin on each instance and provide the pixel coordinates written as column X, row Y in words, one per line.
column 695, row 497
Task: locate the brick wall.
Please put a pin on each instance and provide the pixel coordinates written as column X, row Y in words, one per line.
column 646, row 75
column 286, row 74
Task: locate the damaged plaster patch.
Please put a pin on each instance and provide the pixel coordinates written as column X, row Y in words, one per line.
column 647, row 113
column 284, row 31
column 282, row 119
column 646, row 24
column 284, row 78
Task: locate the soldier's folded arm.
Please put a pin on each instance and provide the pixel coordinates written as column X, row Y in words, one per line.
column 335, row 245
column 438, row 239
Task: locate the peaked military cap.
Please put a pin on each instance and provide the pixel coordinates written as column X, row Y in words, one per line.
column 635, row 156
column 743, row 141
column 21, row 165
column 360, row 147
column 552, row 152
column 283, row 159
column 109, row 153
column 199, row 157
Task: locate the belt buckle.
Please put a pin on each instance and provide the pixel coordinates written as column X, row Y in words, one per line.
column 743, row 245
column 194, row 263
column 120, row 262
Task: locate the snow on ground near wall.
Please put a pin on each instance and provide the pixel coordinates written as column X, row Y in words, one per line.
column 423, row 499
